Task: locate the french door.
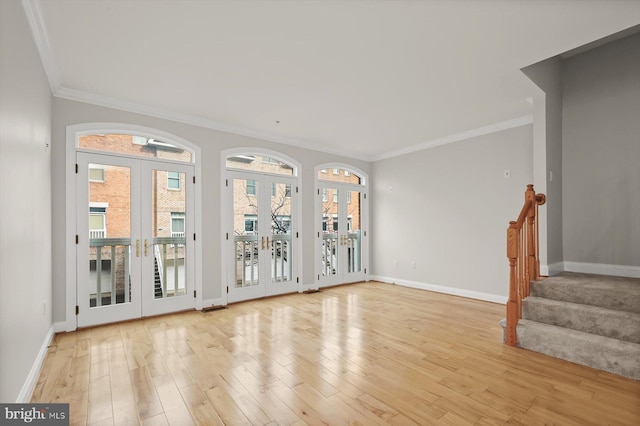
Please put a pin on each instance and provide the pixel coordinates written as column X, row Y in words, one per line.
column 261, row 241
column 133, row 254
column 339, row 246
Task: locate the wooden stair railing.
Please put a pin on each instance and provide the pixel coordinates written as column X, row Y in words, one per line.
column 524, row 262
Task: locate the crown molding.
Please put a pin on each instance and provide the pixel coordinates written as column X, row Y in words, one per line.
column 457, row 137
column 41, row 39
column 109, row 102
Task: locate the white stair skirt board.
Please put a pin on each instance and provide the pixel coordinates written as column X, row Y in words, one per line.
column 551, row 269
column 32, row 379
column 602, row 269
column 487, row 297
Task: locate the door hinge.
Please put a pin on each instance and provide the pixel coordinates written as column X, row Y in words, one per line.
column 297, row 235
column 227, row 236
column 318, row 277
column 226, row 182
column 365, row 233
column 227, row 289
column 194, row 236
column 194, row 179
column 194, row 293
column 296, row 189
column 365, row 270
column 318, row 191
column 76, row 168
column 365, row 196
column 297, row 279
column 318, row 235
column 77, row 310
column 77, row 239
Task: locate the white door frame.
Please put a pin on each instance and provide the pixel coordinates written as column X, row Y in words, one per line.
column 131, row 308
column 227, row 241
column 152, row 306
column 73, row 132
column 343, row 277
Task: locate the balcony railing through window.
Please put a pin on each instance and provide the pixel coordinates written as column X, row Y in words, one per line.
column 331, row 246
column 110, row 265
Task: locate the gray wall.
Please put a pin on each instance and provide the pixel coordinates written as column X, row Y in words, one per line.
column 547, row 75
column 25, row 197
column 448, row 209
column 212, row 143
column 601, row 154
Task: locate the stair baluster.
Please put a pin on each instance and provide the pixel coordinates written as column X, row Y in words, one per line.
column 524, row 262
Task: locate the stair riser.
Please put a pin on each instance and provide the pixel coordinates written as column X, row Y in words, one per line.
column 588, row 319
column 615, row 356
column 617, row 293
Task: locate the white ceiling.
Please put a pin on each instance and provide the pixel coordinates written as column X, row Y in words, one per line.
column 368, row 79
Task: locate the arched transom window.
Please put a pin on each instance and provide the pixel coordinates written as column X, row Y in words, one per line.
column 133, row 145
column 260, row 163
column 342, row 175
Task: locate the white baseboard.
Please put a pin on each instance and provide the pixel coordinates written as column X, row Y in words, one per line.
column 602, row 269
column 487, row 297
column 24, row 397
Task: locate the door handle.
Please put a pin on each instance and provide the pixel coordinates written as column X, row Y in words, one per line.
column 146, row 247
column 137, row 248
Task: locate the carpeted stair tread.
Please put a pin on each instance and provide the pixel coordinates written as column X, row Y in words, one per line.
column 619, row 293
column 604, row 353
column 586, row 318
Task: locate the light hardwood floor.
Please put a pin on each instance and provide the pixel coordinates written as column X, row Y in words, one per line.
column 368, row 353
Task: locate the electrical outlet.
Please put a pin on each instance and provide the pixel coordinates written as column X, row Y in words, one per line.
column 412, row 265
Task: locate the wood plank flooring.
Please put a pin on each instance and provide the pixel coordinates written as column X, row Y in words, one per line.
column 368, row 353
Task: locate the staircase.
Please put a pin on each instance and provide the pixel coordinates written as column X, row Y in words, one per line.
column 157, row 289
column 593, row 320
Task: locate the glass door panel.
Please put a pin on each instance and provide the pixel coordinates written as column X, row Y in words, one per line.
column 168, row 248
column 330, row 247
column 280, row 233
column 109, row 249
column 245, row 232
column 354, row 232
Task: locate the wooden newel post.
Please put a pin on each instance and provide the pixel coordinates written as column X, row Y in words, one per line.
column 513, row 308
column 524, row 264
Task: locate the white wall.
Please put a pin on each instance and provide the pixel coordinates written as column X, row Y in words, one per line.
column 601, row 155
column 448, row 209
column 25, row 197
column 212, row 143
